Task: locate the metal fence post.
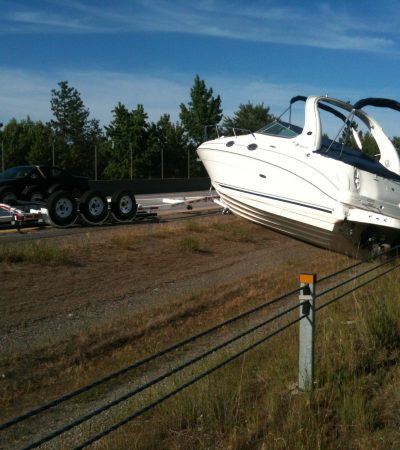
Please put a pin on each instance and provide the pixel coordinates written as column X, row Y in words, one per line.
column 307, row 331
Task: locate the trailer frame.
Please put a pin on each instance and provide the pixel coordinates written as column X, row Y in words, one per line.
column 24, row 213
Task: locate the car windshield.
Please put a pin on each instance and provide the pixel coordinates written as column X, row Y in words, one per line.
column 16, row 172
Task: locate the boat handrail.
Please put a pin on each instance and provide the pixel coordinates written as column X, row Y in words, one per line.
column 219, row 127
column 241, row 129
column 215, row 126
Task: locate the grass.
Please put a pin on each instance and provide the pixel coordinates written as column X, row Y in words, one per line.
column 253, row 402
column 37, row 252
column 190, row 236
column 192, row 244
column 234, row 232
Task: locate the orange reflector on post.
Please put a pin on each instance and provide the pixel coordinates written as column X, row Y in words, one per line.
column 308, row 278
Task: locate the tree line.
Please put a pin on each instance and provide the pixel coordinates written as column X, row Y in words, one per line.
column 130, row 146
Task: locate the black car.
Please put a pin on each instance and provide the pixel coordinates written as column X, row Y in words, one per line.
column 35, row 183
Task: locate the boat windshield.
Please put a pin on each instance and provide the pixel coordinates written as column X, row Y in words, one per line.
column 281, row 129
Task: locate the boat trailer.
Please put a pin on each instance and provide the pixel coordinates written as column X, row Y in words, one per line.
column 61, row 210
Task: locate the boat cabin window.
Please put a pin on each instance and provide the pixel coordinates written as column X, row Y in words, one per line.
column 281, row 129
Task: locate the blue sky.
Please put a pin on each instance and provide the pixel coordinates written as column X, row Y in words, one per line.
column 148, row 52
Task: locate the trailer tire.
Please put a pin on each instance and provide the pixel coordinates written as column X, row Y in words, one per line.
column 8, row 195
column 62, row 209
column 123, row 205
column 93, row 206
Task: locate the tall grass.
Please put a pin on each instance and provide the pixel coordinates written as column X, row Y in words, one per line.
column 37, row 252
column 235, row 232
column 192, row 243
column 253, row 403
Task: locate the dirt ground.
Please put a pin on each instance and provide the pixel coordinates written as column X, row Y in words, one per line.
column 127, row 275
column 119, row 275
column 115, row 273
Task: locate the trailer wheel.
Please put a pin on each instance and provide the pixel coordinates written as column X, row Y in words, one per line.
column 8, row 195
column 62, row 209
column 93, row 206
column 123, row 205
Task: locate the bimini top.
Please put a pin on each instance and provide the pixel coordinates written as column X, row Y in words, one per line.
column 379, row 102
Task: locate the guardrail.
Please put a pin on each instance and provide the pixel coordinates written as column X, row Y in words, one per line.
column 248, row 323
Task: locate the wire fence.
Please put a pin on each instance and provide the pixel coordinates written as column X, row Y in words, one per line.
column 354, row 276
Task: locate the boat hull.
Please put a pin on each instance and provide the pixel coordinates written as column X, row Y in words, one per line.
column 294, row 199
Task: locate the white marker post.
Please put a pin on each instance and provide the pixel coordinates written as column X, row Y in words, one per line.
column 307, row 331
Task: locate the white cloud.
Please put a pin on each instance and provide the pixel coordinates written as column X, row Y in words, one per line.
column 101, row 91
column 24, row 93
column 41, row 19
column 319, row 25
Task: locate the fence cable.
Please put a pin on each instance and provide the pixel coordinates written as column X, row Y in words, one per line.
column 369, row 259
column 170, row 349
column 137, row 364
column 185, row 385
column 355, row 277
column 356, row 288
column 189, row 340
column 156, row 380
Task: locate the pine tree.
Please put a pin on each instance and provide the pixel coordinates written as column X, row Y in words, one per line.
column 27, row 142
column 202, row 110
column 127, row 135
column 369, row 145
column 74, row 134
column 396, row 142
column 41, row 140
column 167, row 148
column 16, row 144
column 249, row 117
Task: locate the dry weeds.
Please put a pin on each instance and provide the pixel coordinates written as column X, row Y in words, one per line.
column 207, row 271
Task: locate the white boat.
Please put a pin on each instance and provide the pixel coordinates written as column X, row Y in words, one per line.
column 296, row 180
